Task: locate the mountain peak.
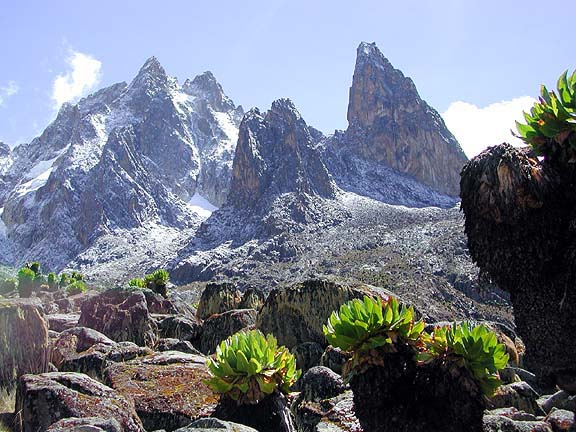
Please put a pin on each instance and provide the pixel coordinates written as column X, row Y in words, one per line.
column 206, row 86
column 150, row 74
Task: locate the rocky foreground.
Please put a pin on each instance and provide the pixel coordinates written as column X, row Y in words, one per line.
column 130, row 360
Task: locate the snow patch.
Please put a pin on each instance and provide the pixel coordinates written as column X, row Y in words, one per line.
column 37, row 177
column 227, row 125
column 201, row 205
column 2, row 224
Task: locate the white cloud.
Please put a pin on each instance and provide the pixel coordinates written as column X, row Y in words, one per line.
column 477, row 128
column 83, row 75
column 8, row 90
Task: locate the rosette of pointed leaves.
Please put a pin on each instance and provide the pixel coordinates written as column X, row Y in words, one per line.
column 551, row 122
column 475, row 348
column 362, row 325
column 137, row 282
column 249, row 366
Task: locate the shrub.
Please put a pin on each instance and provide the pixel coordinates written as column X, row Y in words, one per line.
column 157, row 281
column 364, row 325
column 76, row 287
column 474, row 348
column 51, row 279
column 76, row 276
column 248, row 366
column 26, row 278
column 137, row 282
column 34, row 266
column 551, row 124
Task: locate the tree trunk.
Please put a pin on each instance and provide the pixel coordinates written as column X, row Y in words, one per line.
column 521, row 227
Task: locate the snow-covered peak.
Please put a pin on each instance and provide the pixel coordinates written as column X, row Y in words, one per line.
column 206, row 86
column 150, row 76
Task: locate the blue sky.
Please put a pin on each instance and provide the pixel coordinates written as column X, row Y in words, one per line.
column 471, row 60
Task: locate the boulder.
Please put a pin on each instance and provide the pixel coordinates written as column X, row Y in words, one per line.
column 307, row 354
column 169, row 344
column 24, row 344
column 219, row 327
column 167, row 388
column 42, row 400
column 336, row 414
column 217, row 298
column 187, row 328
column 252, row 298
column 561, row 400
column 85, row 350
column 210, row 424
column 519, row 395
column 296, row 314
column 320, row 383
column 334, row 358
column 86, row 424
column 60, row 322
column 513, row 413
column 494, row 423
column 122, row 315
column 562, row 420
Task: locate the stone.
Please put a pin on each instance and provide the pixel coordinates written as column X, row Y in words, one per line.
column 122, row 315
column 252, row 298
column 217, row 298
column 512, row 413
column 210, row 424
column 170, row 344
column 86, row 424
column 334, row 358
column 561, row 400
column 494, row 423
column 562, row 420
column 219, row 327
column 61, row 322
column 24, row 346
column 42, row 400
column 320, row 383
column 296, row 314
column 330, row 415
column 185, row 328
column 167, row 388
column 519, row 395
column 85, row 350
column 307, row 355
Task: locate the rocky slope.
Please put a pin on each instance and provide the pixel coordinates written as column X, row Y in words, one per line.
column 146, row 155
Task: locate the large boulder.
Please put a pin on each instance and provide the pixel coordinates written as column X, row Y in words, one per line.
column 23, row 341
column 85, row 350
column 86, row 424
column 168, row 388
column 122, row 315
column 42, row 400
column 219, row 327
column 210, row 424
column 187, row 328
column 217, row 298
column 60, row 322
column 296, row 314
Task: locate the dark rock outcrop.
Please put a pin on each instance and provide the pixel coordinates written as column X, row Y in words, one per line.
column 219, row 327
column 186, row 328
column 122, row 315
column 24, row 345
column 44, row 399
column 217, row 298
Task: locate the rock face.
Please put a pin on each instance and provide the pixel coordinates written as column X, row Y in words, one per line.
column 129, row 156
column 122, row 315
column 44, row 399
column 275, row 155
column 389, row 122
column 167, row 388
column 23, row 341
column 217, row 298
column 296, row 314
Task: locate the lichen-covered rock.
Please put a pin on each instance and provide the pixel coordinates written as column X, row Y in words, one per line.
column 170, row 344
column 252, row 298
column 495, row 423
column 336, row 414
column 512, row 413
column 86, row 424
column 24, row 344
column 60, row 322
column 186, row 328
column 85, row 350
column 167, row 388
column 210, row 424
column 519, row 395
column 296, row 314
column 562, row 420
column 219, row 327
column 42, row 400
column 122, row 315
column 307, row 355
column 217, row 298
column 320, row 383
column 334, row 358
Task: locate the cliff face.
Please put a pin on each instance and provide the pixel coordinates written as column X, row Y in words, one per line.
column 275, row 155
column 390, row 123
